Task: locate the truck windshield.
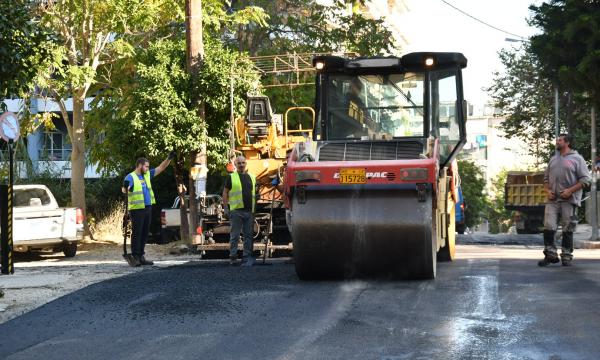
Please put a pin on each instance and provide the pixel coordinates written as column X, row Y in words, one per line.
column 374, row 107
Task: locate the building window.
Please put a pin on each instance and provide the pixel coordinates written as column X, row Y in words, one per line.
column 56, row 147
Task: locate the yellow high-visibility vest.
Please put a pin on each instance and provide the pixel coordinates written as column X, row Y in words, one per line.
column 236, row 199
column 135, row 199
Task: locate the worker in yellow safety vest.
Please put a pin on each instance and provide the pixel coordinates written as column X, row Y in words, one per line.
column 239, row 202
column 140, row 198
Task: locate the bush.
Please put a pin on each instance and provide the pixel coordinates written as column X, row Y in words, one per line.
column 473, row 188
column 500, row 219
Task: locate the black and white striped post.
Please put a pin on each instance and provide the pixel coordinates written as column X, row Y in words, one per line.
column 9, row 132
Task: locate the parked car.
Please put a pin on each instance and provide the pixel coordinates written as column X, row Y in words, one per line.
column 460, row 212
column 39, row 223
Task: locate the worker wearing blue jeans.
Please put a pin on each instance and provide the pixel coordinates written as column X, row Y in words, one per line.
column 239, row 199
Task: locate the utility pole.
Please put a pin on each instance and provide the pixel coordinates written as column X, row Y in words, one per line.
column 594, row 200
column 556, row 123
column 194, row 61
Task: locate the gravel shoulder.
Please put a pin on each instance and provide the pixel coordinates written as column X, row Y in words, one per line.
column 42, row 277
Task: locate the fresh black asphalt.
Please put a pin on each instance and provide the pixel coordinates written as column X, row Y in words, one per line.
column 475, row 309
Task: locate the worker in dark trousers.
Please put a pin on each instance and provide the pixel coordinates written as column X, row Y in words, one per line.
column 239, row 202
column 566, row 175
column 140, row 200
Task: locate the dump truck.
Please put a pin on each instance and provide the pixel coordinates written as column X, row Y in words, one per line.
column 524, row 194
column 374, row 190
column 264, row 139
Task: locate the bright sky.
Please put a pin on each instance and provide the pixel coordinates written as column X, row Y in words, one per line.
column 431, row 25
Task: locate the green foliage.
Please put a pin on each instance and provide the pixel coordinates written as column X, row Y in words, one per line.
column 526, row 96
column 305, row 26
column 565, row 54
column 23, row 48
column 568, row 45
column 91, row 35
column 150, row 109
column 499, row 218
column 567, row 51
column 473, row 188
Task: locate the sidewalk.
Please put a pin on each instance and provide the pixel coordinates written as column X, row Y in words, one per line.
column 582, row 238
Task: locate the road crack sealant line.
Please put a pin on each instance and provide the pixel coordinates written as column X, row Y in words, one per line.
column 346, row 296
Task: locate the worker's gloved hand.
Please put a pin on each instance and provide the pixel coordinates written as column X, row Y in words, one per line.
column 226, row 211
column 172, row 155
column 275, row 181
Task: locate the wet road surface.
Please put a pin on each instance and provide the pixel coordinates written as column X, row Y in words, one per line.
column 491, row 303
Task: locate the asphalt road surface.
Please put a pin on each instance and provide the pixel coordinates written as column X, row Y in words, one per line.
column 492, row 303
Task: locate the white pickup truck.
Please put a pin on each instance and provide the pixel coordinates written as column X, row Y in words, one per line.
column 39, row 222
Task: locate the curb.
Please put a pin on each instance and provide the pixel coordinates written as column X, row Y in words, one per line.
column 587, row 244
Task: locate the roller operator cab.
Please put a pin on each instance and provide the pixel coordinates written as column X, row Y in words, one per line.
column 373, row 192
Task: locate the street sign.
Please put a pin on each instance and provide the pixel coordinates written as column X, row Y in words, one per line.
column 9, row 126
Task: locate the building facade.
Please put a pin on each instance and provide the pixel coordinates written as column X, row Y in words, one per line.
column 49, row 150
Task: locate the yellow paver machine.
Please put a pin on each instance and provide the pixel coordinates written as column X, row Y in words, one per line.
column 264, row 139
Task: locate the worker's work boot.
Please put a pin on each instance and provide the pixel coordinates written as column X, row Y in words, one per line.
column 247, row 261
column 548, row 260
column 566, row 254
column 133, row 261
column 550, row 255
column 143, row 261
column 232, row 260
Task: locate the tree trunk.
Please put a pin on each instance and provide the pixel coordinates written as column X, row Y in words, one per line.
column 193, row 202
column 78, row 155
column 184, row 227
column 195, row 58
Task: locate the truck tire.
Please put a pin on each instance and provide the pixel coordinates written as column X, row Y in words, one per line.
column 70, row 249
column 460, row 228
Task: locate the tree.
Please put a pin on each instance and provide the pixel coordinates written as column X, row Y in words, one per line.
column 151, row 109
column 526, row 96
column 307, row 26
column 91, row 35
column 568, row 48
column 473, row 189
column 568, row 54
column 23, row 48
column 182, row 96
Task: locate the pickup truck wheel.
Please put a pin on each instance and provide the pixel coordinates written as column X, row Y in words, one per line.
column 70, row 249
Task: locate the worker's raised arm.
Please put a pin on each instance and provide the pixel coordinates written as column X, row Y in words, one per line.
column 163, row 165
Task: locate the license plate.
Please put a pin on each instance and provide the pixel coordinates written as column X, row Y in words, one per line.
column 353, row 176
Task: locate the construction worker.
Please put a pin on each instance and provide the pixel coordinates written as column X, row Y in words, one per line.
column 139, row 203
column 239, row 202
column 565, row 177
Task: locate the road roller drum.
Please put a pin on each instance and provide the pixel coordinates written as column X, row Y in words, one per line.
column 362, row 232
